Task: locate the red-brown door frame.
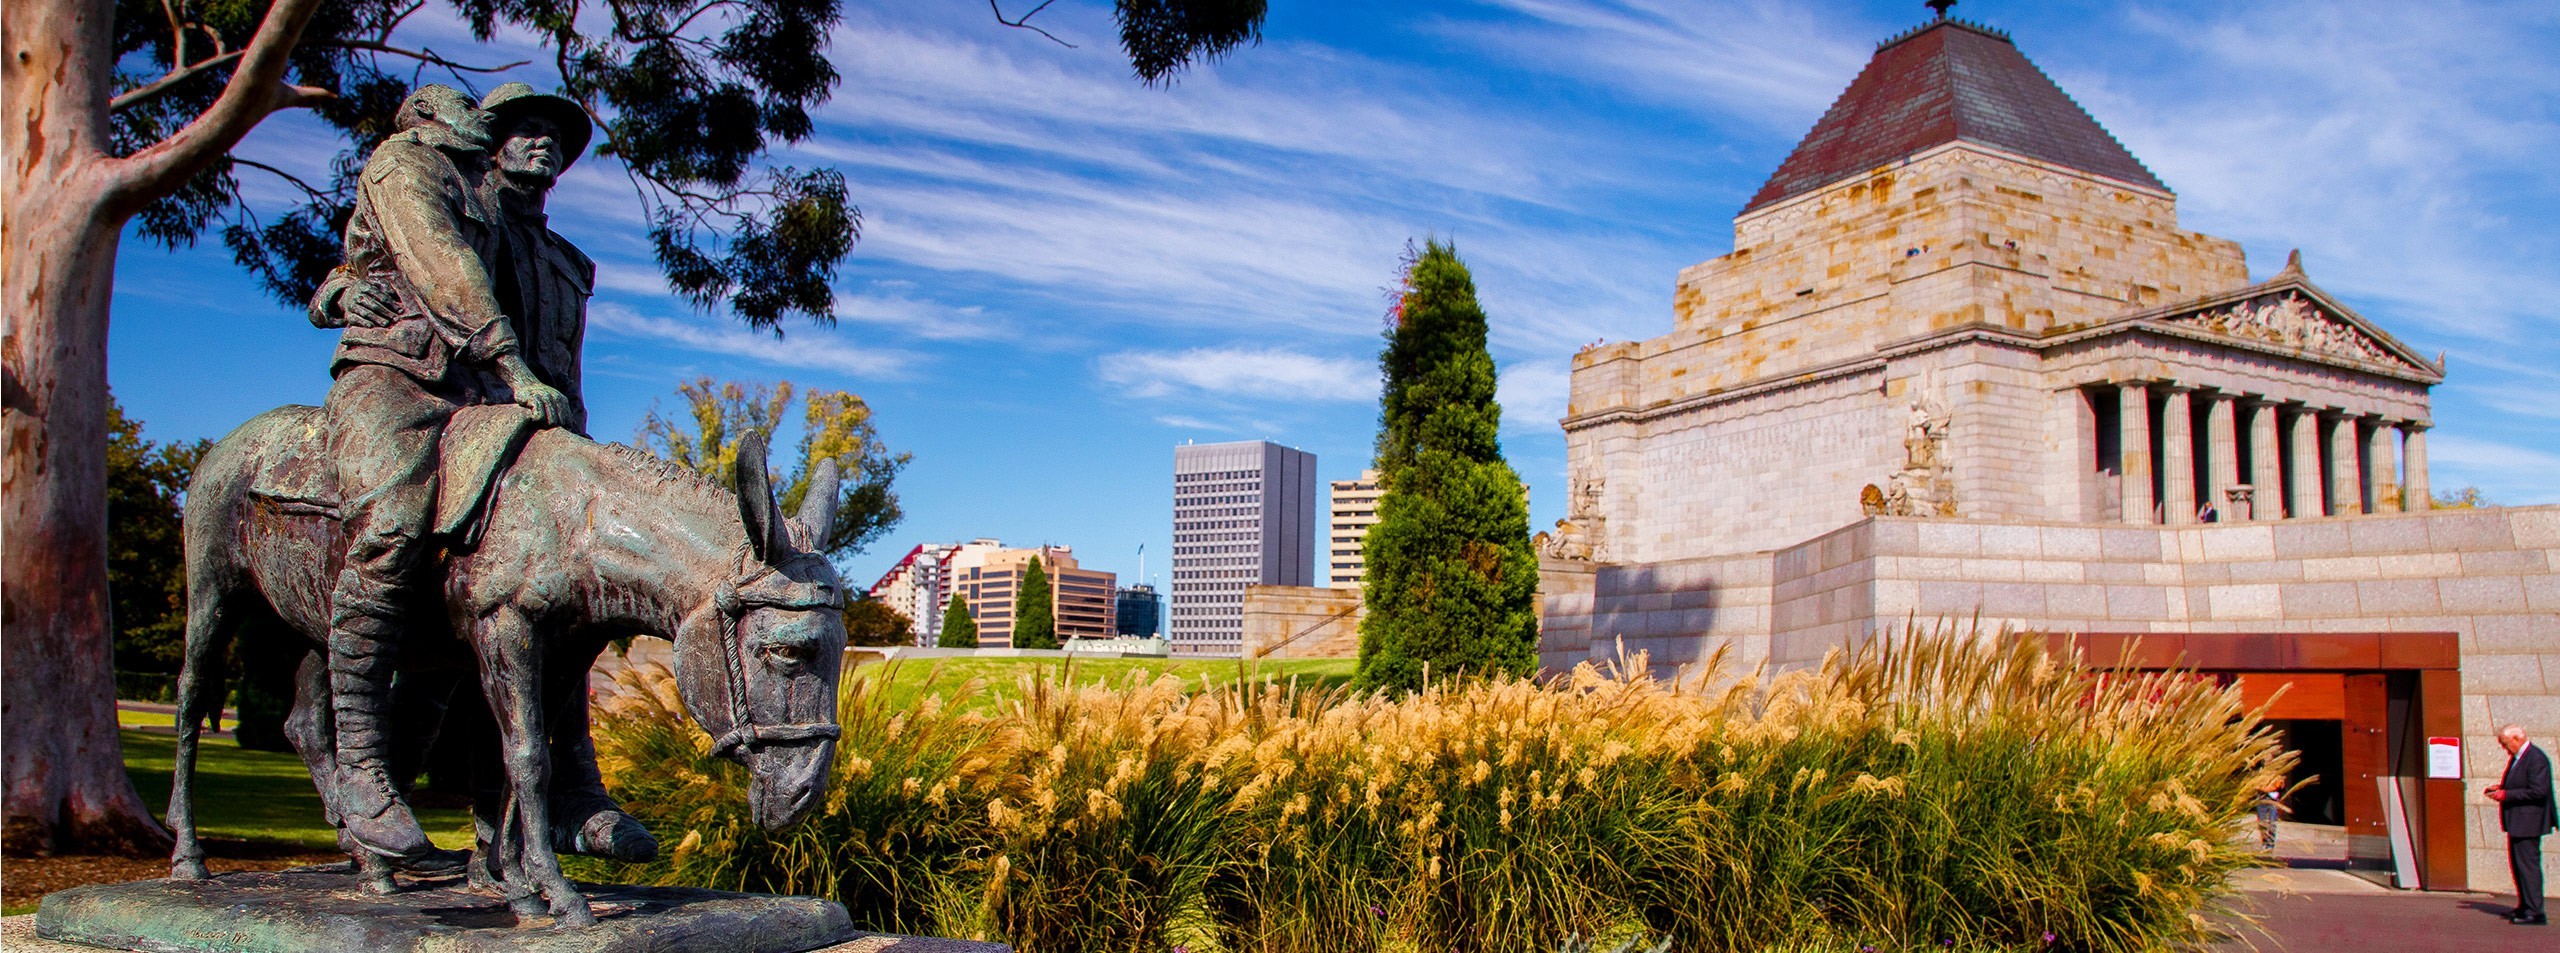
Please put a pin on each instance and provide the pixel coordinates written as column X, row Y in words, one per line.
column 2432, row 659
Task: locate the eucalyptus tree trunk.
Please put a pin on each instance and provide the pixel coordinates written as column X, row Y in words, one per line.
column 63, row 205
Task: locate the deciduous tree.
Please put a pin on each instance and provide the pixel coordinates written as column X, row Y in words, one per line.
column 129, row 110
column 146, row 554
column 869, row 621
column 1035, row 609
column 835, row 425
column 1451, row 581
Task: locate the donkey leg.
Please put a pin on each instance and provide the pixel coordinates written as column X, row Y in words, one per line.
column 590, row 821
column 511, row 676
column 200, row 691
column 307, row 727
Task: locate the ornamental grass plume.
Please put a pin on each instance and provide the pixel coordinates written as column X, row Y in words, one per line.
column 1942, row 784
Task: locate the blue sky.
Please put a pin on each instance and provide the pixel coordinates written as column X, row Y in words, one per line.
column 1064, row 274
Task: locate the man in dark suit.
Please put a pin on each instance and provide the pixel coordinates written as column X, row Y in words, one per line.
column 2524, row 811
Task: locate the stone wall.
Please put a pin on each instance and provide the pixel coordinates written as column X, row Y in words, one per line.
column 1957, row 235
column 1301, row 622
column 2491, row 576
column 1564, row 612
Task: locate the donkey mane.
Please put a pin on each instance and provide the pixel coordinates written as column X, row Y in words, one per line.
column 670, row 476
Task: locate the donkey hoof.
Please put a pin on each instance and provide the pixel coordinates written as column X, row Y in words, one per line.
column 381, row 884
column 189, row 870
column 527, row 907
column 574, row 912
column 614, row 835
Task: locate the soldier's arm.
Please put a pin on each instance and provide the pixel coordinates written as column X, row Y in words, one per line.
column 420, row 223
column 327, row 310
column 347, row 299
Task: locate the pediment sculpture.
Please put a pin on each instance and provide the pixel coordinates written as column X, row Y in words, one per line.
column 2291, row 320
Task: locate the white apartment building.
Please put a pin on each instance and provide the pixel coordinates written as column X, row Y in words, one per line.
column 919, row 586
column 1355, row 509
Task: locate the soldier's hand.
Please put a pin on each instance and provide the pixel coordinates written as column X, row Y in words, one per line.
column 370, row 305
column 545, row 400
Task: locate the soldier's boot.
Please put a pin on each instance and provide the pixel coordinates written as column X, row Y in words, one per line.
column 363, row 630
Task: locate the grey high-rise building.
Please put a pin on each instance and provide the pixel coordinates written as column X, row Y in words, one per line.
column 1244, row 514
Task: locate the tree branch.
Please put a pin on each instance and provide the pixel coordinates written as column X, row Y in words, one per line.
column 397, row 19
column 1023, row 22
column 426, row 56
column 152, row 90
column 257, row 88
column 297, row 182
column 158, row 87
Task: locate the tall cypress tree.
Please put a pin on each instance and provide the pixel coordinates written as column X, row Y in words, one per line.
column 1452, row 583
column 1035, row 610
column 959, row 631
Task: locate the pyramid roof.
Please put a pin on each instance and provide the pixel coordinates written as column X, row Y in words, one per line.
column 1941, row 82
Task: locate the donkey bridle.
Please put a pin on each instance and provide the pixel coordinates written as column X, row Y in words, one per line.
column 733, row 604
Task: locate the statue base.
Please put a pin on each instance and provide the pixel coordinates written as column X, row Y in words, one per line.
column 326, row 910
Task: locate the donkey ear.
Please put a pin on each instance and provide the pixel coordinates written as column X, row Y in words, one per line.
column 756, row 505
column 817, row 513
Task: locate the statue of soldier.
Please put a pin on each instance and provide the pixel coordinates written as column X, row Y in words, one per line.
column 542, row 282
column 423, row 237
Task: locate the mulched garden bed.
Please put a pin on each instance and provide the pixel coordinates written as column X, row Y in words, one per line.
column 24, row 880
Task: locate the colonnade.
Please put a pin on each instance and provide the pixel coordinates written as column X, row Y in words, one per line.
column 2300, row 460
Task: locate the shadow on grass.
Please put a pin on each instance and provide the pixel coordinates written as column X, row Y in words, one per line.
column 257, row 795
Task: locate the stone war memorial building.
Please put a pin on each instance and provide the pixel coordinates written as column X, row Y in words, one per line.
column 1962, row 361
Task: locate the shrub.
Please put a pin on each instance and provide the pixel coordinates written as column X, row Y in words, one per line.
column 1936, row 787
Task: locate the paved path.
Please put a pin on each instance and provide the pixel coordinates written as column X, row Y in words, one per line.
column 167, row 714
column 2332, row 911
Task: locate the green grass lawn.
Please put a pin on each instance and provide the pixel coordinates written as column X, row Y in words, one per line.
column 267, row 796
column 257, row 795
column 912, row 680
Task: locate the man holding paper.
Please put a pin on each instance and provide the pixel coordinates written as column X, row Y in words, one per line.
column 2523, row 794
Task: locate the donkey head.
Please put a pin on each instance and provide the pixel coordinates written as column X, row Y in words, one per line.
column 769, row 697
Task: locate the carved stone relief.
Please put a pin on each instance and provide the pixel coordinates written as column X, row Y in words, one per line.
column 1581, row 535
column 2290, row 320
column 1923, row 486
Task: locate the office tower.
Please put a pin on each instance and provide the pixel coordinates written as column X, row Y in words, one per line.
column 986, row 574
column 1244, row 514
column 1141, row 613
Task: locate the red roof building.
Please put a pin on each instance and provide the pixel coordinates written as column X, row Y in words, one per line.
column 1945, row 81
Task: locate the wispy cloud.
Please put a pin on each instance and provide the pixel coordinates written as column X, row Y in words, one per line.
column 2396, row 144
column 812, row 349
column 917, row 317
column 1241, row 372
column 1769, row 63
column 2504, row 472
column 1534, row 394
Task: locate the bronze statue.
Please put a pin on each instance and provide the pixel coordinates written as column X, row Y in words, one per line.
column 484, row 536
column 423, row 232
column 541, row 280
column 578, row 543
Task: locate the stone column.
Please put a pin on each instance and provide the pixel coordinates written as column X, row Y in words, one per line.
column 2266, row 460
column 2413, row 486
column 2346, row 484
column 2177, row 459
column 2222, row 454
column 2378, row 460
column 2134, row 430
column 2302, row 495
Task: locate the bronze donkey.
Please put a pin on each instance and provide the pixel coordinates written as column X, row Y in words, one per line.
column 579, row 543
